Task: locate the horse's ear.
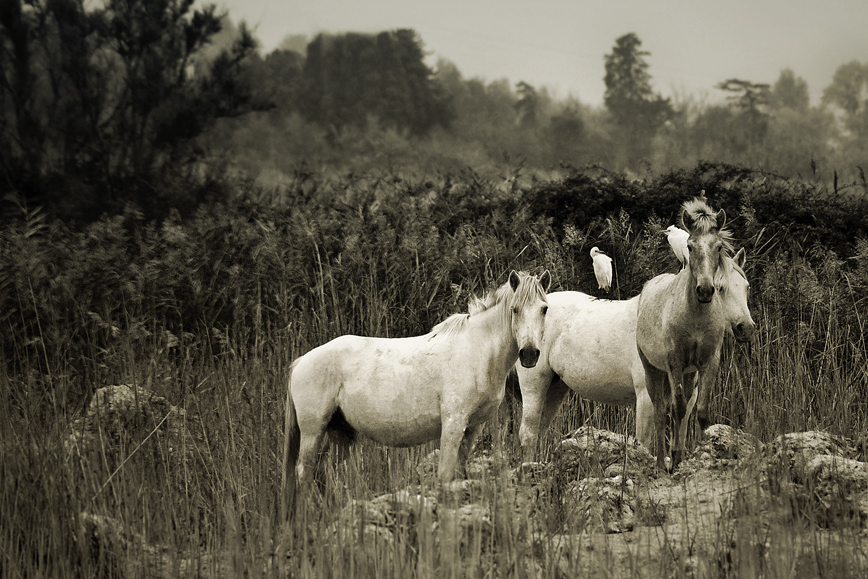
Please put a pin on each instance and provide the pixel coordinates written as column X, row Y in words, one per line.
column 545, row 280
column 514, row 280
column 740, row 257
column 720, row 218
column 681, row 219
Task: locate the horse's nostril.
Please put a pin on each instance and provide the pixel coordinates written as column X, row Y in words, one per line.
column 704, row 293
column 528, row 356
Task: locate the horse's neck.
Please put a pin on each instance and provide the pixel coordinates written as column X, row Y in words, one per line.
column 493, row 329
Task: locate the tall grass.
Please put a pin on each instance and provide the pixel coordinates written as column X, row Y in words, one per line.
column 209, row 311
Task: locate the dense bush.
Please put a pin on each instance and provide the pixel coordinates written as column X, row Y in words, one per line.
column 391, row 256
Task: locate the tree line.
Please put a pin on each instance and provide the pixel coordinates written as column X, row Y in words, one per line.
column 156, row 102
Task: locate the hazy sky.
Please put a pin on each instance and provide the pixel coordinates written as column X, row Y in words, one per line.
column 560, row 44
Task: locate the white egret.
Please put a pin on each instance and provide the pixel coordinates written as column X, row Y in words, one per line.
column 678, row 240
column 602, row 268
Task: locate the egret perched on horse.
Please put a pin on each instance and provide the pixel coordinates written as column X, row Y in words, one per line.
column 602, row 268
column 677, row 238
column 680, row 324
column 590, row 348
column 408, row 391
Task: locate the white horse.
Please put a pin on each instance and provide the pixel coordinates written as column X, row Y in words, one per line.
column 680, row 325
column 590, row 347
column 408, row 391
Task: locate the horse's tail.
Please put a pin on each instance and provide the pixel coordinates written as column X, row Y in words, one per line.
column 291, row 444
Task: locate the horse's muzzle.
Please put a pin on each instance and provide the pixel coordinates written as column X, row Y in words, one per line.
column 743, row 332
column 528, row 357
column 704, row 293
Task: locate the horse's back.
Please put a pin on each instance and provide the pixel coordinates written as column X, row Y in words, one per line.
column 388, row 389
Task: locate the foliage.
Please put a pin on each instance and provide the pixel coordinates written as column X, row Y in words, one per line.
column 350, row 76
column 848, row 92
column 210, row 308
column 790, row 92
column 635, row 109
column 101, row 103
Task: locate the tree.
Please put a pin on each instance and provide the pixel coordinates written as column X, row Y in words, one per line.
column 849, row 92
column 628, row 96
column 751, row 100
column 349, row 77
column 528, row 104
column 790, row 92
column 567, row 133
column 636, row 110
column 108, row 96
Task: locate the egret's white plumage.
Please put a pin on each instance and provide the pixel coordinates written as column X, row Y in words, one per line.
column 678, row 240
column 602, row 268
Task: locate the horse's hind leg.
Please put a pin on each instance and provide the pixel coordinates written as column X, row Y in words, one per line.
column 308, row 450
column 554, row 397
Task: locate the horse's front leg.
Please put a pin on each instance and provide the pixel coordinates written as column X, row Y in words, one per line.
column 534, row 385
column 451, row 436
column 706, row 383
column 677, row 407
column 465, row 449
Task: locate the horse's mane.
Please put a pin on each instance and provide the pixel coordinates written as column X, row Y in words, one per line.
column 502, row 296
column 704, row 220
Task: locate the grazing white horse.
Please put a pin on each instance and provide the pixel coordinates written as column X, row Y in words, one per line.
column 602, row 268
column 408, row 391
column 680, row 325
column 590, row 348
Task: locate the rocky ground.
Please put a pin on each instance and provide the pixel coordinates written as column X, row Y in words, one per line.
column 723, row 511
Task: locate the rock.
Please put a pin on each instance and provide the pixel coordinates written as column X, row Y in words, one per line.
column 127, row 411
column 804, row 446
column 851, row 473
column 814, row 475
column 107, row 541
column 588, row 448
column 532, row 472
column 467, row 528
column 606, row 504
column 724, row 442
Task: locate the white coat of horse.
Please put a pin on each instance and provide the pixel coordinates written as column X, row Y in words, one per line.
column 680, row 326
column 590, row 347
column 408, row 391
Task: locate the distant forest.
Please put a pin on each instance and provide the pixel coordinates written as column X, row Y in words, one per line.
column 160, row 105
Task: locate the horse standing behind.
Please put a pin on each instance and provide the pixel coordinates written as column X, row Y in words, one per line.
column 408, row 391
column 590, row 348
column 681, row 322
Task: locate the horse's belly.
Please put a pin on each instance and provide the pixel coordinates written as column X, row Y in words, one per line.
column 393, row 431
column 618, row 392
column 407, row 418
column 604, row 381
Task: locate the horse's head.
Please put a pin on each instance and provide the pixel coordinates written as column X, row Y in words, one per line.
column 706, row 246
column 529, row 307
column 735, row 296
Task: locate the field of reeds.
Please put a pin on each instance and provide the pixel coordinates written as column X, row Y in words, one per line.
column 208, row 309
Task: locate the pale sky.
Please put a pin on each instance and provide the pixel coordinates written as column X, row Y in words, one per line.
column 560, row 44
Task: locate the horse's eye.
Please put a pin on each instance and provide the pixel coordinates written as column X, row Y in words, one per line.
column 545, row 310
column 515, row 310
